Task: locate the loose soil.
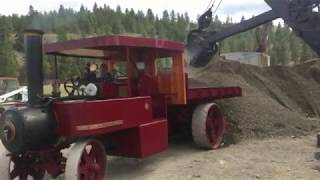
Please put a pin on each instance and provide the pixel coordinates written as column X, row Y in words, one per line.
column 281, row 158
column 277, row 101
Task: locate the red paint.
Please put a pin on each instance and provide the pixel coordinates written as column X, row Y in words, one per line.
column 147, row 86
column 129, row 73
column 215, row 126
column 110, row 90
column 92, row 163
column 154, row 137
column 143, row 141
column 205, row 94
column 201, row 94
column 159, row 107
column 132, row 111
column 112, row 42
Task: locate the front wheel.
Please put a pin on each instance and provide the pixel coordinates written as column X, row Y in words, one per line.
column 86, row 161
column 208, row 125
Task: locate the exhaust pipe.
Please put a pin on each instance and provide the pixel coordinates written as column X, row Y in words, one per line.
column 33, row 53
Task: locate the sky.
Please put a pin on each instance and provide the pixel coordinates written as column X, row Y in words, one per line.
column 232, row 8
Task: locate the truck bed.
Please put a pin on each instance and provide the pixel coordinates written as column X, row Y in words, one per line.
column 202, row 94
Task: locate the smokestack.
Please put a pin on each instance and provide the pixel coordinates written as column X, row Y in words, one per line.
column 33, row 53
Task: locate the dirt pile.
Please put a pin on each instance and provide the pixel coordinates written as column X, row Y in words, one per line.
column 277, row 101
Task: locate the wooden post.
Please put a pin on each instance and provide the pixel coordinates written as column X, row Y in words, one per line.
column 130, row 72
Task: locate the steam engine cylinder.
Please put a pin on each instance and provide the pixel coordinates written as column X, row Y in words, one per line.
column 27, row 129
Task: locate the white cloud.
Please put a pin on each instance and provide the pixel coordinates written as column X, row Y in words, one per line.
column 228, row 7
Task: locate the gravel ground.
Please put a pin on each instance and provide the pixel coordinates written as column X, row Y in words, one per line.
column 284, row 158
column 276, row 158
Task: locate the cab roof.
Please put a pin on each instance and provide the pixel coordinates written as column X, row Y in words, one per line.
column 104, row 46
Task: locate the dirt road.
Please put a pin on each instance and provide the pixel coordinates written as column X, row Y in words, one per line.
column 271, row 159
column 281, row 158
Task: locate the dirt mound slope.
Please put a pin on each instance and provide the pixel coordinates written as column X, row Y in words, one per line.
column 277, row 101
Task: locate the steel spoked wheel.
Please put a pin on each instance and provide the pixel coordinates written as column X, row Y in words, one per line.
column 19, row 168
column 208, row 126
column 86, row 161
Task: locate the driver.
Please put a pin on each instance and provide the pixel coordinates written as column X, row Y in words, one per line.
column 90, row 73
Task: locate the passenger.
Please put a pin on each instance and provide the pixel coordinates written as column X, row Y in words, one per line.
column 86, row 71
column 103, row 73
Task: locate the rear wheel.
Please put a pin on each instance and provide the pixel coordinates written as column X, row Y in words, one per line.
column 86, row 161
column 208, row 126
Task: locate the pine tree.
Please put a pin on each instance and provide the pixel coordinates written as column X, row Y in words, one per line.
column 306, row 54
column 294, row 48
column 8, row 59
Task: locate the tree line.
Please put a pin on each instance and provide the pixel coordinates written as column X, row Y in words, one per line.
column 66, row 23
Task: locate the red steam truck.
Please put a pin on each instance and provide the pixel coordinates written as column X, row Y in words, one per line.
column 128, row 113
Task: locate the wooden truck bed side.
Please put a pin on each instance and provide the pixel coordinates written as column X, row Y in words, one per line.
column 204, row 94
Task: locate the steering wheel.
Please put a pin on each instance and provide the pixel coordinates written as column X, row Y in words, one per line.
column 118, row 75
column 72, row 86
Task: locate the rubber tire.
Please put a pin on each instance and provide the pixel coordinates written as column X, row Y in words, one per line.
column 199, row 133
column 74, row 159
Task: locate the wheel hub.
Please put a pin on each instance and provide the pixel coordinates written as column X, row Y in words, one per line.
column 9, row 131
column 214, row 126
column 88, row 160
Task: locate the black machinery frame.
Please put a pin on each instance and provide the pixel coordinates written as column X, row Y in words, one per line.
column 302, row 16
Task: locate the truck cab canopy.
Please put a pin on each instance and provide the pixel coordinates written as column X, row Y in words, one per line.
column 106, row 47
